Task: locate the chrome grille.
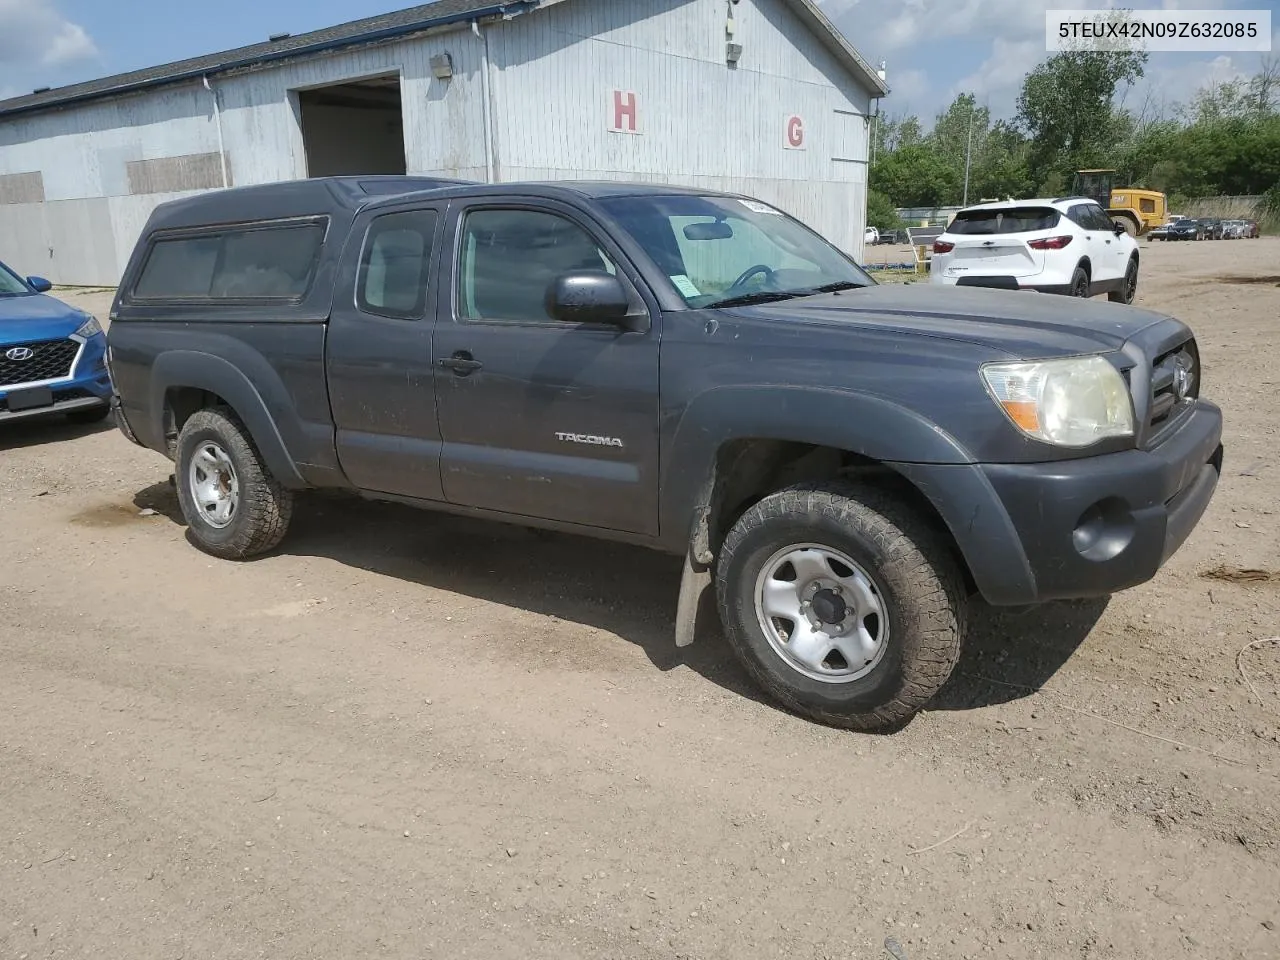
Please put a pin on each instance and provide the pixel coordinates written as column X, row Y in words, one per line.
column 36, row 362
column 1175, row 379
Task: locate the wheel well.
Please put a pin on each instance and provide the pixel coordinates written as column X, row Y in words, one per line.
column 179, row 404
column 748, row 470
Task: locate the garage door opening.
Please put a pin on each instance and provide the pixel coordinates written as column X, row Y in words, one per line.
column 354, row 128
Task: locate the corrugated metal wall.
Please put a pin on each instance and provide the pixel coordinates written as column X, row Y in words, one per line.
column 700, row 122
column 85, row 230
column 553, row 76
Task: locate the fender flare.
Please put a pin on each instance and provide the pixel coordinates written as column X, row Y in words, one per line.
column 866, row 424
column 190, row 369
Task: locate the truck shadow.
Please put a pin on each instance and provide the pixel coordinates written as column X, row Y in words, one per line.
column 41, row 430
column 627, row 591
column 1011, row 653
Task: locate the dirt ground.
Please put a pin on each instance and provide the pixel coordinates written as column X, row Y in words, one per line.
column 406, row 735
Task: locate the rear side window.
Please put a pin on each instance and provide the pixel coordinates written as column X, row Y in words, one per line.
column 393, row 269
column 1020, row 220
column 258, row 263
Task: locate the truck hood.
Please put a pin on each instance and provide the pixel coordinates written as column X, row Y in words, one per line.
column 1021, row 324
column 27, row 318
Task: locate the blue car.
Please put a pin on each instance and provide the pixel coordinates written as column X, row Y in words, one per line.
column 52, row 356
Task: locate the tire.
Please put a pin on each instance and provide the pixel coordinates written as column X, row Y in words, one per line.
column 1130, row 288
column 908, row 572
column 1126, row 224
column 92, row 415
column 214, row 440
column 1080, row 283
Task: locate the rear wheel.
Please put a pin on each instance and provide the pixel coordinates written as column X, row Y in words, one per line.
column 842, row 604
column 234, row 508
column 1080, row 283
column 1129, row 286
column 1128, row 225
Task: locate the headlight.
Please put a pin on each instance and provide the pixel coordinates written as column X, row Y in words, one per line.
column 1070, row 403
column 90, row 328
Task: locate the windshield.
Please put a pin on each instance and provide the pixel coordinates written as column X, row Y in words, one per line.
column 720, row 251
column 10, row 285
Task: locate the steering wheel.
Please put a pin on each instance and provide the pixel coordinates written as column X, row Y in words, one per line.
column 751, row 272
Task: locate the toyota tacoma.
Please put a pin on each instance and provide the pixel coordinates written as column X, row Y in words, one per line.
column 844, row 463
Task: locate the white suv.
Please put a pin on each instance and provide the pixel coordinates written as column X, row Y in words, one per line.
column 1068, row 245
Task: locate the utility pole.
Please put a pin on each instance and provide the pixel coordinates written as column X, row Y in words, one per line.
column 968, row 156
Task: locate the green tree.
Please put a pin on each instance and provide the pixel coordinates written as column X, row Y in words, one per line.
column 881, row 213
column 914, row 176
column 1067, row 106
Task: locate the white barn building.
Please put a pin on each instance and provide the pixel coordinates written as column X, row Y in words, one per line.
column 763, row 97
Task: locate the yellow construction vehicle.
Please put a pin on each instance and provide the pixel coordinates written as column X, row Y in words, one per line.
column 1133, row 208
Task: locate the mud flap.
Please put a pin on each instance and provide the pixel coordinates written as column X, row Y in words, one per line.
column 694, row 582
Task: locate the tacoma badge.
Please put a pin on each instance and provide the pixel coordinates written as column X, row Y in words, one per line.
column 589, row 439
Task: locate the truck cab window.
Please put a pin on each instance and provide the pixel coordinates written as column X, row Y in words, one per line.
column 510, row 257
column 393, row 269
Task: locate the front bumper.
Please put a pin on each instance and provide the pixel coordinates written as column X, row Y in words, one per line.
column 88, row 386
column 1078, row 528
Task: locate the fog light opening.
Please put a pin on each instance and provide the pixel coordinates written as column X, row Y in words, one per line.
column 1104, row 530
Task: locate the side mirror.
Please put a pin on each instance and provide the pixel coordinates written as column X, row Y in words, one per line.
column 587, row 296
column 39, row 284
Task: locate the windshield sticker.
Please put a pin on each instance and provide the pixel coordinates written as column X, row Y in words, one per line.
column 757, row 207
column 686, row 286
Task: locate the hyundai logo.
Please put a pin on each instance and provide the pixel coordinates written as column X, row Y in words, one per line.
column 19, row 353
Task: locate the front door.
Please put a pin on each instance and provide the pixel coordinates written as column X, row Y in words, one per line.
column 541, row 418
column 1106, row 253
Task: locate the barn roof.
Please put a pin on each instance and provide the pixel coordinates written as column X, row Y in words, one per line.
column 441, row 13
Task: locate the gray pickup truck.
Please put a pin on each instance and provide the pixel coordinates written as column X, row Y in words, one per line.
column 846, row 463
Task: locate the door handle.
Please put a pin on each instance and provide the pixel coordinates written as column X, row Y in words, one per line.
column 461, row 363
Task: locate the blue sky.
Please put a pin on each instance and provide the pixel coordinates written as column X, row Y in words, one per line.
column 933, row 48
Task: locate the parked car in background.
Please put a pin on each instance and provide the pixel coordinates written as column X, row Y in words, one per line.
column 1211, row 228
column 871, row 235
column 52, row 356
column 1067, row 246
column 1253, row 230
column 1159, row 233
column 1235, row 229
column 1186, row 229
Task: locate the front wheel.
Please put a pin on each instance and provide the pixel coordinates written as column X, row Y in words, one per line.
column 1129, row 287
column 233, row 506
column 842, row 604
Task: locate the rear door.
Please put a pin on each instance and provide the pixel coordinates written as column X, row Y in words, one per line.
column 541, row 418
column 381, row 381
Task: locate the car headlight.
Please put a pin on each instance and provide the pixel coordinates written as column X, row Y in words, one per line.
column 90, row 328
column 1071, row 402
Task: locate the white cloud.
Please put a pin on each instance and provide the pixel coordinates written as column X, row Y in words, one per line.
column 34, row 32
column 1167, row 84
column 909, row 86
column 1012, row 36
column 914, row 21
column 1000, row 76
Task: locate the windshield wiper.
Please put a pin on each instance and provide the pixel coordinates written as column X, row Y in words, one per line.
column 837, row 287
column 746, row 299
